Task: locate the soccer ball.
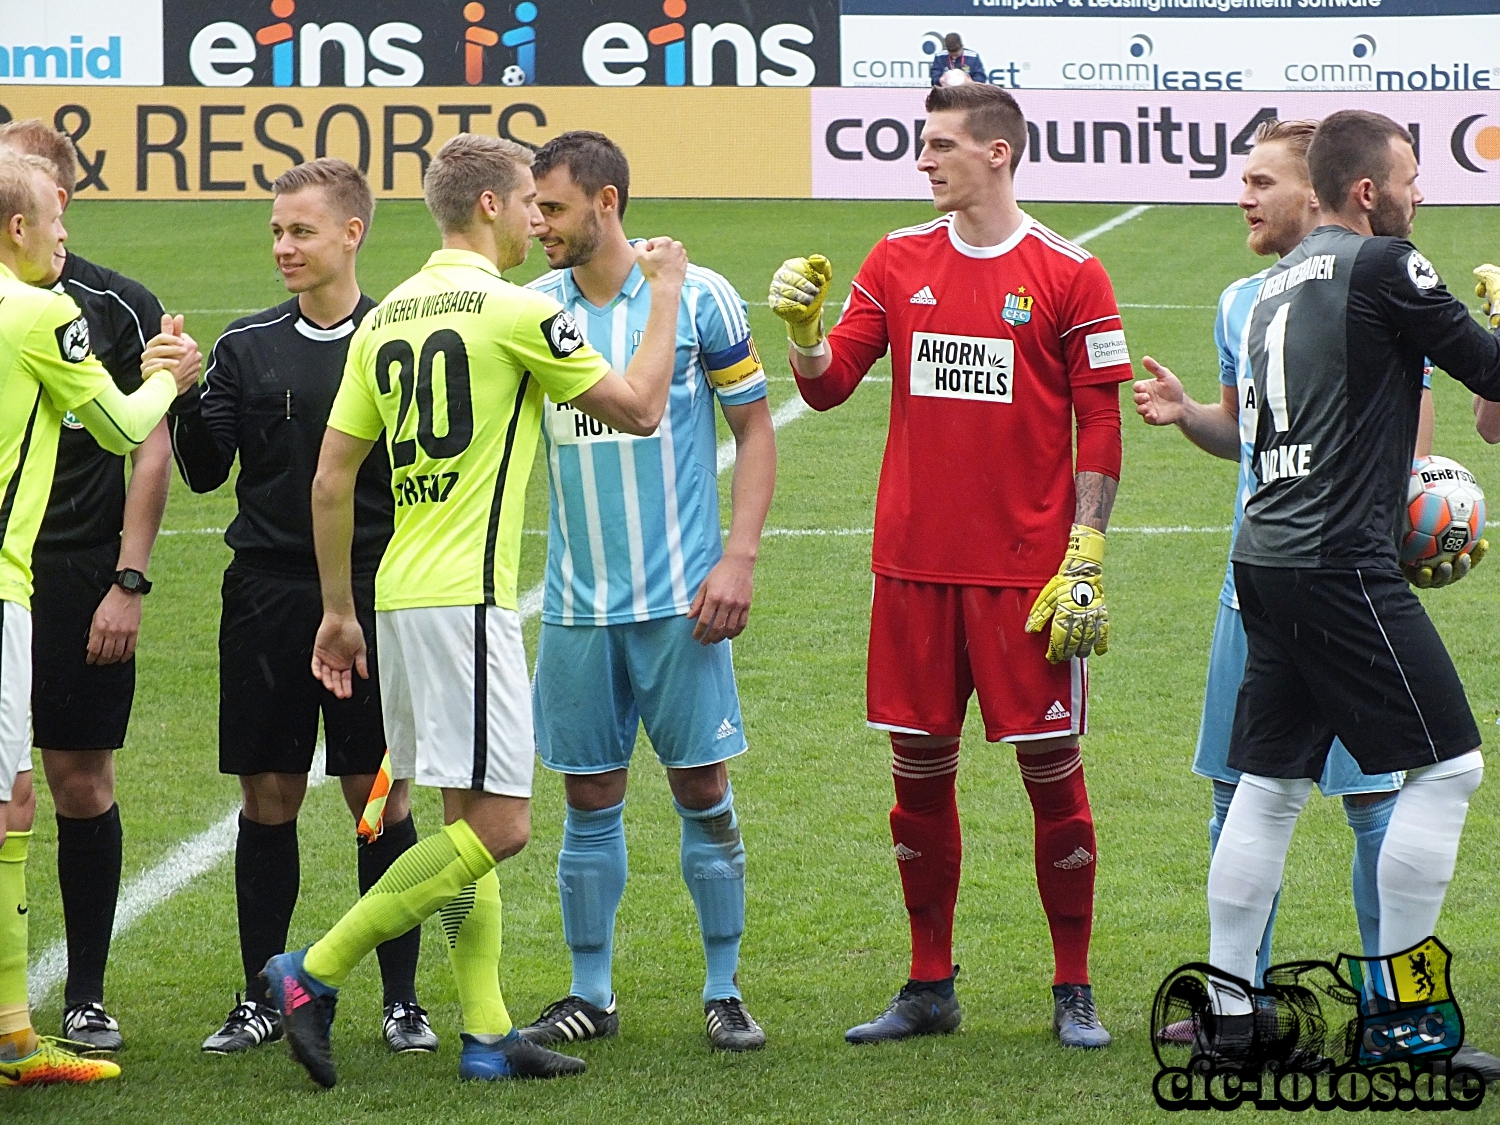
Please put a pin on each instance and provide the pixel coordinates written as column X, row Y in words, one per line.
column 954, row 77
column 513, row 76
column 1444, row 512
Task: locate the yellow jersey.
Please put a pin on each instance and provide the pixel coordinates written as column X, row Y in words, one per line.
column 453, row 366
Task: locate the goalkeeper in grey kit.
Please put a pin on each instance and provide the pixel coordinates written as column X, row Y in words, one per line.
column 1339, row 644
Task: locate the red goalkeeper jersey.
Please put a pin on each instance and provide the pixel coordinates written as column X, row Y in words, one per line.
column 989, row 347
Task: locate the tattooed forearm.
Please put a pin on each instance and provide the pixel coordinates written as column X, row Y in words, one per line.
column 1096, row 499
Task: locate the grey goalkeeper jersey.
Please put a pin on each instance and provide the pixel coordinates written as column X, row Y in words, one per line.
column 1337, row 341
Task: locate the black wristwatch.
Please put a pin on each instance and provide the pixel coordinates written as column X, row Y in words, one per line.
column 132, row 581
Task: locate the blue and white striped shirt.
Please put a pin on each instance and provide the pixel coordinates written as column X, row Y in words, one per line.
column 1232, row 336
column 634, row 525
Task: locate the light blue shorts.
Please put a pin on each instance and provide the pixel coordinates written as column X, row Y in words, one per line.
column 1226, row 668
column 595, row 685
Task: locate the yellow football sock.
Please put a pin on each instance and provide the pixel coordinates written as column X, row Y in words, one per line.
column 15, row 1014
column 472, row 923
column 426, row 876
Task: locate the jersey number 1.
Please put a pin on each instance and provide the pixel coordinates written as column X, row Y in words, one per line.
column 460, row 411
column 1276, row 368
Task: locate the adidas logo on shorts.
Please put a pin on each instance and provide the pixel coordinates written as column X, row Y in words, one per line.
column 923, row 296
column 905, row 853
column 1056, row 711
column 1079, row 858
column 726, row 730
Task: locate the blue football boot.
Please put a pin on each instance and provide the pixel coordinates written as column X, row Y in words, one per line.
column 513, row 1057
column 306, row 1005
column 918, row 1009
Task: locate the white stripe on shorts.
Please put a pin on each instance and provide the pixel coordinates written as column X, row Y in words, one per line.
column 15, row 694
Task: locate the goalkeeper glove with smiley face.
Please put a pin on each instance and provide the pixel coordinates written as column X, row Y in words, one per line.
column 1488, row 287
column 798, row 291
column 1074, row 600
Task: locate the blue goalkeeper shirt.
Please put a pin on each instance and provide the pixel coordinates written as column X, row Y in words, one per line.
column 634, row 524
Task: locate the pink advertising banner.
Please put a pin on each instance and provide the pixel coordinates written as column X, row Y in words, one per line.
column 1142, row 146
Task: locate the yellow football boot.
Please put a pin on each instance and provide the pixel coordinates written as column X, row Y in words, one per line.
column 52, row 1063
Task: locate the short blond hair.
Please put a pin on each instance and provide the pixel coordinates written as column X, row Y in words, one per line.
column 347, row 189
column 18, row 194
column 464, row 169
column 36, row 137
column 1297, row 135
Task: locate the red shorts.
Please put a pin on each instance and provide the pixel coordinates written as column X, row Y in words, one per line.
column 932, row 645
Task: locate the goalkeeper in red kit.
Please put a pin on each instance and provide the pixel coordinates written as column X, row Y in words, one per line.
column 1001, row 334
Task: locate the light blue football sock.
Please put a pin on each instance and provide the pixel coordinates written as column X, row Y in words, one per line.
column 591, row 870
column 1369, row 823
column 713, row 866
column 1223, row 794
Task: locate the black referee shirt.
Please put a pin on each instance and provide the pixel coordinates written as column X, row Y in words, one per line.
column 266, row 396
column 1337, row 341
column 87, row 505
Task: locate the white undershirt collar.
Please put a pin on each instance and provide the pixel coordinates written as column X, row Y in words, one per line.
column 988, row 251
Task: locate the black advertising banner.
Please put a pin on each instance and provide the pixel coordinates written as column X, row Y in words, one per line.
column 393, row 43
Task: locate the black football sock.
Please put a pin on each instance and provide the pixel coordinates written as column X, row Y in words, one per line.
column 267, row 876
column 398, row 957
column 88, row 875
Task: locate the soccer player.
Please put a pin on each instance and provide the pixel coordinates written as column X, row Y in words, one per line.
column 271, row 382
column 1281, row 210
column 1000, row 333
column 1338, row 643
column 955, row 57
column 89, row 568
column 46, row 371
column 452, row 366
column 642, row 600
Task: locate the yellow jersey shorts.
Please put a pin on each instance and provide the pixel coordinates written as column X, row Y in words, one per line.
column 15, row 694
column 457, row 698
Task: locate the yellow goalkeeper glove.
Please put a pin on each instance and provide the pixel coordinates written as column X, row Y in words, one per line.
column 1445, row 574
column 798, row 290
column 1074, row 600
column 1489, row 288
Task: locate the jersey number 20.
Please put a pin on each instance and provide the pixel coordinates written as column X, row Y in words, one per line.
column 460, row 429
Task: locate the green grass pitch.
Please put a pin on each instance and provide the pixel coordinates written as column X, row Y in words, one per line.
column 826, row 941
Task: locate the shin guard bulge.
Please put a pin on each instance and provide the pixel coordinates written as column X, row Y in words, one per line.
column 471, row 923
column 425, row 877
column 591, row 869
column 1065, row 856
column 1421, row 848
column 15, row 1015
column 713, row 867
column 929, row 851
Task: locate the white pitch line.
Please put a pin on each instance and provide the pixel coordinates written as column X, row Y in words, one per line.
column 1119, row 220
column 154, row 886
column 203, row 852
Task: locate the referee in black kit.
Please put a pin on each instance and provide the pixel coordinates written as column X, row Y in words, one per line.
column 270, row 384
column 90, row 563
column 1339, row 644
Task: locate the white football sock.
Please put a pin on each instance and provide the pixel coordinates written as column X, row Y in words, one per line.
column 1245, row 875
column 1421, row 848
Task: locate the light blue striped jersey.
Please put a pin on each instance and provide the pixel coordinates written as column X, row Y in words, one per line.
column 1232, row 336
column 634, row 526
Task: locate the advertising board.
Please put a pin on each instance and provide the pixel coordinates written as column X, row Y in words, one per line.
column 81, row 43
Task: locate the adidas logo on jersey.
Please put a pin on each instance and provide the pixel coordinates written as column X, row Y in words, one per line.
column 923, row 296
column 1079, row 858
column 726, row 730
column 904, row 853
column 1056, row 711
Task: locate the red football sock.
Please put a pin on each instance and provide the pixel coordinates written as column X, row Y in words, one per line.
column 929, row 851
column 1064, row 856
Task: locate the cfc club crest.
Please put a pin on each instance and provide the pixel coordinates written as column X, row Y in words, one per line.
column 1406, row 1007
column 1017, row 308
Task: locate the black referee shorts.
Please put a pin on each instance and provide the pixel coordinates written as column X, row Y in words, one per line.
column 1348, row 653
column 269, row 702
column 75, row 705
